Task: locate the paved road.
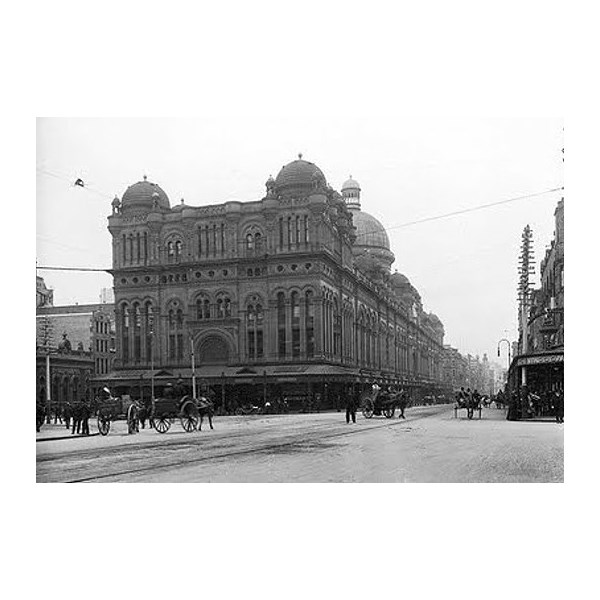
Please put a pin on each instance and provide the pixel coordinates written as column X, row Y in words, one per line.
column 429, row 446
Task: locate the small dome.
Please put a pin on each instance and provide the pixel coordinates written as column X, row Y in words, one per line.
column 399, row 280
column 298, row 176
column 143, row 194
column 351, row 184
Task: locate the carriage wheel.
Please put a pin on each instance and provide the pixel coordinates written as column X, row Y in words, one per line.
column 389, row 412
column 239, row 411
column 469, row 413
column 367, row 409
column 189, row 416
column 162, row 424
column 133, row 419
column 103, row 425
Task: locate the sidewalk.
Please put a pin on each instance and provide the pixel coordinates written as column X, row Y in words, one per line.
column 52, row 431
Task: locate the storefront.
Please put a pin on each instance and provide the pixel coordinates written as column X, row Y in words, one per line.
column 541, row 372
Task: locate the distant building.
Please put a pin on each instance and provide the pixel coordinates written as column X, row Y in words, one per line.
column 71, row 376
column 43, row 295
column 454, row 368
column 89, row 328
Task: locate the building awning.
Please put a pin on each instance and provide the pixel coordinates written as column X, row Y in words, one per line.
column 539, row 358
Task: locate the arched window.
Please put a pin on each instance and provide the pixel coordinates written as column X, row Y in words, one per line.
column 254, row 329
column 178, row 250
column 223, row 306
column 295, row 309
column 202, row 308
column 125, row 333
column 249, row 242
column 310, row 323
column 337, row 328
column 281, row 325
column 175, row 333
column 179, row 334
column 137, row 331
column 149, row 329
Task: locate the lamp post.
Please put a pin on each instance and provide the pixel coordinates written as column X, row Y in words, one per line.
column 152, row 364
column 508, row 345
column 193, row 368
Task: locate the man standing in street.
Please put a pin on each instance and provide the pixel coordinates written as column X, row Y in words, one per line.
column 351, row 405
column 402, row 403
column 559, row 407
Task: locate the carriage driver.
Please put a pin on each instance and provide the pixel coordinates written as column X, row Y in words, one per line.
column 104, row 393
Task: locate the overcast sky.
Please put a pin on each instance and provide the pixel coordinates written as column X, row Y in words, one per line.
column 465, row 266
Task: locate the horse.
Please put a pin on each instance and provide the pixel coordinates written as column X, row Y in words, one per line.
column 81, row 412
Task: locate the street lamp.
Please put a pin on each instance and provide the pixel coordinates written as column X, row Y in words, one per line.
column 508, row 345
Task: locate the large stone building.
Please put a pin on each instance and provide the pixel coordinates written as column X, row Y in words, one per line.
column 290, row 295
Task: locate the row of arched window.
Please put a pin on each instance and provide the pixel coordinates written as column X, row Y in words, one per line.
column 364, row 340
column 212, row 240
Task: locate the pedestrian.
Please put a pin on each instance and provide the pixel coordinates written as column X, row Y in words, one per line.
column 559, row 406
column 351, row 405
column 402, row 403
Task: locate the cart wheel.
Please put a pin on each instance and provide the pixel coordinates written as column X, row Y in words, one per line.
column 367, row 409
column 189, row 416
column 389, row 412
column 162, row 424
column 103, row 425
column 239, row 411
column 469, row 413
column 133, row 419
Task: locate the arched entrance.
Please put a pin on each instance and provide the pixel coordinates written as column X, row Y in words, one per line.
column 213, row 350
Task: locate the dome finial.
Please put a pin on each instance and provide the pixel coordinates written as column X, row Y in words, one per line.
column 300, row 155
column 145, row 177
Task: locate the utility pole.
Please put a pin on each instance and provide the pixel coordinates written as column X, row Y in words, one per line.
column 526, row 270
column 193, row 368
column 47, row 333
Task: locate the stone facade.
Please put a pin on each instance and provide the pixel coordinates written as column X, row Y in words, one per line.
column 291, row 294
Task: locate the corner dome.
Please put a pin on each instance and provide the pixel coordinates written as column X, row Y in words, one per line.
column 144, row 194
column 299, row 176
column 399, row 280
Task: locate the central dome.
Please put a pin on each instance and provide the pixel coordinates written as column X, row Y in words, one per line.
column 144, row 194
column 369, row 231
column 299, row 176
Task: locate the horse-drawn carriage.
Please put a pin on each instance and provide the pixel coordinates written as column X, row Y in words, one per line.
column 164, row 411
column 376, row 401
column 468, row 401
column 160, row 412
column 111, row 409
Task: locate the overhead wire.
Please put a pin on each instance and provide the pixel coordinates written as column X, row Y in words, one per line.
column 465, row 210
column 392, row 227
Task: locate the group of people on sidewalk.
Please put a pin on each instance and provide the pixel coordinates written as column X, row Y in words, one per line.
column 525, row 403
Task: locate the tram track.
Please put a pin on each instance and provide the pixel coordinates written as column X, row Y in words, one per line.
column 298, row 441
